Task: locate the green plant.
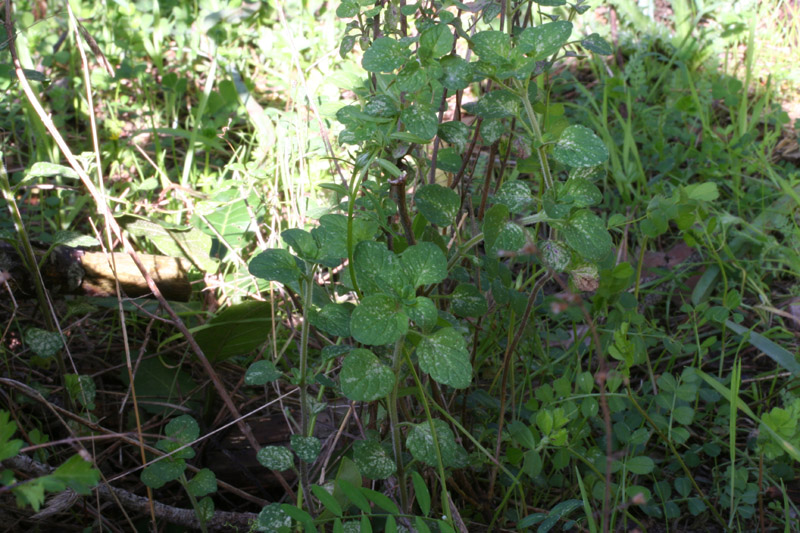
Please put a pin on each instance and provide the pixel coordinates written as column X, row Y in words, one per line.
column 408, row 282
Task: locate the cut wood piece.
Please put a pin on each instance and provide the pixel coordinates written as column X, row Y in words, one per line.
column 68, row 270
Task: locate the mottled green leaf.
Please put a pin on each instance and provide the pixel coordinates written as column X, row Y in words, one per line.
column 444, row 356
column 275, row 458
column 372, row 459
column 580, row 192
column 580, row 147
column 516, row 195
column 272, row 518
column 261, row 372
column 492, row 46
column 364, row 378
column 275, row 264
column 544, row 40
column 378, row 320
column 420, row 443
column 384, row 55
column 42, row 342
column 424, row 263
column 159, row 474
column 203, row 483
column 498, row 104
column 423, row 312
column 420, row 120
column 456, row 73
column 436, row 41
column 598, row 45
column 467, row 301
column 448, row 160
column 586, row 233
column 306, row 448
column 438, row 204
column 333, row 319
column 456, row 133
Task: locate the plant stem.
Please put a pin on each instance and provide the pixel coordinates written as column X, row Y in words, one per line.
column 304, row 332
column 394, row 421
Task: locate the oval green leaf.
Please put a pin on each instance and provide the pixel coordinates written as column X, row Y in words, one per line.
column 420, row 120
column 275, row 264
column 372, row 459
column 544, row 40
column 438, row 204
column 275, row 458
column 424, row 264
column 586, row 233
column 378, row 320
column 385, row 55
column 420, row 443
column 444, row 356
column 364, row 378
column 580, row 147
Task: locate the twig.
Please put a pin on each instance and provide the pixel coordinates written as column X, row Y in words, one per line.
column 220, row 521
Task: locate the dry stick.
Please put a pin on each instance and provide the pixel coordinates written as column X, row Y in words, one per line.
column 467, row 155
column 437, row 140
column 399, row 185
column 220, row 521
column 96, row 145
column 106, row 212
column 506, row 365
column 487, row 179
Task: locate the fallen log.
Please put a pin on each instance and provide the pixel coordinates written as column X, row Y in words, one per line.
column 68, row 270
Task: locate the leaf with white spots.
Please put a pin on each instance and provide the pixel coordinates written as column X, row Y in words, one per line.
column 492, row 46
column 159, row 474
column 275, row 458
column 364, row 378
column 381, row 105
column 385, row 55
column 516, row 195
column 420, row 120
column 580, row 192
column 468, row 301
column 449, row 160
column 378, row 269
column 580, row 147
column 74, row 239
column 378, row 320
column 424, row 263
column 444, row 356
column 598, row 45
column 421, row 445
column 586, row 233
column 456, row 133
column 544, row 40
column 436, row 41
column 203, row 483
column 275, row 264
column 456, row 73
column 372, row 459
column 423, row 312
column 333, row 319
column 498, row 104
column 273, row 518
column 43, row 343
column 306, row 448
column 261, row 372
column 438, row 204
